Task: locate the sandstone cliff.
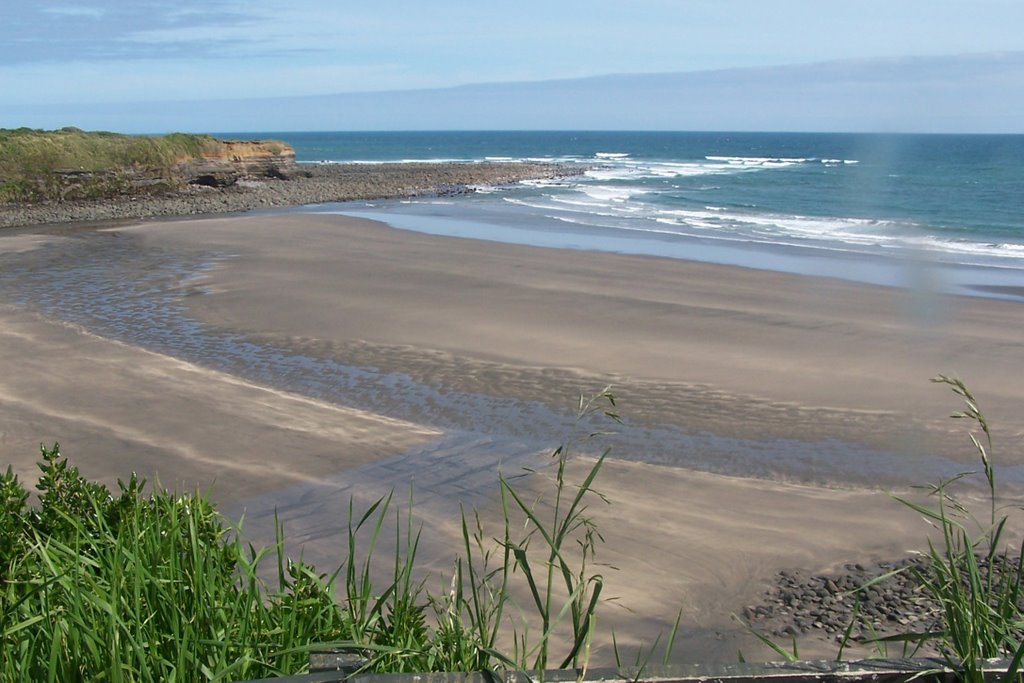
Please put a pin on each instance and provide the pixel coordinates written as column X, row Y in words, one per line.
column 236, row 159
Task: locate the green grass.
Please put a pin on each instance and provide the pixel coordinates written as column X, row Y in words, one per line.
column 34, row 164
column 973, row 574
column 24, row 151
column 137, row 586
column 134, row 587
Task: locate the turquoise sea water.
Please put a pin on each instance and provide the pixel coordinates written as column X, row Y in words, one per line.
column 848, row 205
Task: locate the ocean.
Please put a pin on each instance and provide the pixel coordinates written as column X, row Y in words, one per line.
column 866, row 207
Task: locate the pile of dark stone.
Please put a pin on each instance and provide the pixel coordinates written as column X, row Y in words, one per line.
column 865, row 602
column 316, row 184
column 801, row 603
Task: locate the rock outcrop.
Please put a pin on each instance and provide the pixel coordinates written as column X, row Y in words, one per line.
column 236, row 160
column 310, row 184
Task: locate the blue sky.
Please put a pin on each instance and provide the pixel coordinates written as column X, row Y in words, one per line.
column 83, row 54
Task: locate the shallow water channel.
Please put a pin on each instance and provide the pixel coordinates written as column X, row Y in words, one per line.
column 117, row 287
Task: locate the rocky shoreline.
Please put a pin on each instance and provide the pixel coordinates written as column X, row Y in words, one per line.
column 801, row 603
column 317, row 184
column 880, row 600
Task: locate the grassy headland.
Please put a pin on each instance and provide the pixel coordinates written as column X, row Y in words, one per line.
column 71, row 164
column 69, row 175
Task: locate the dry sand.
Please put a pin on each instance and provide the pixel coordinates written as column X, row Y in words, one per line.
column 740, row 353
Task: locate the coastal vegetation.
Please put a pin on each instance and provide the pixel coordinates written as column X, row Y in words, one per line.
column 966, row 587
column 145, row 586
column 971, row 572
column 71, row 164
column 137, row 586
column 50, row 177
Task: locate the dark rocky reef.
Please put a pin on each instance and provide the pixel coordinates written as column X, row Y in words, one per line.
column 244, row 182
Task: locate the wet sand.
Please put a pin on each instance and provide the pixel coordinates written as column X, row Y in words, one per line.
column 738, row 352
column 115, row 409
column 750, row 366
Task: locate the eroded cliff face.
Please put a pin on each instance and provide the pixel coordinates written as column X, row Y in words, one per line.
column 237, row 159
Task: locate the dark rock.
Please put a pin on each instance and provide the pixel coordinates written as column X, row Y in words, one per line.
column 313, row 184
column 896, row 604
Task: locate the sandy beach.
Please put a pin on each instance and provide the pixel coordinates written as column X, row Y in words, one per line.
column 738, row 352
column 802, row 401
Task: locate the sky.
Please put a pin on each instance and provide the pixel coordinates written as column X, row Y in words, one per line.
column 80, row 58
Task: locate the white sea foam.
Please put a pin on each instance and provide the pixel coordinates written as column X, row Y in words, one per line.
column 589, row 209
column 835, row 234
column 684, row 169
column 631, row 209
column 541, row 203
column 623, row 207
column 611, row 193
column 618, row 192
column 625, row 168
column 569, row 201
column 617, row 173
column 998, row 250
column 757, row 161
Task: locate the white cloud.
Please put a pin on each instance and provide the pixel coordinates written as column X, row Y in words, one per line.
column 169, row 50
column 973, row 93
column 165, row 81
column 68, row 11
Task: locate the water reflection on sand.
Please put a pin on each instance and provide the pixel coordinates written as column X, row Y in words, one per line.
column 117, row 287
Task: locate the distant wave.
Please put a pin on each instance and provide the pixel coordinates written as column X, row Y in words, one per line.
column 633, row 208
column 823, row 192
column 757, row 161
